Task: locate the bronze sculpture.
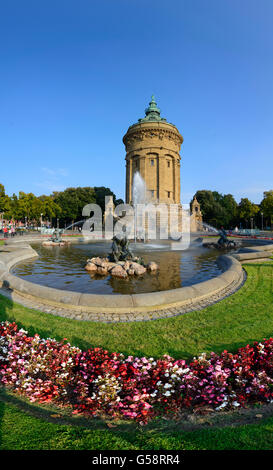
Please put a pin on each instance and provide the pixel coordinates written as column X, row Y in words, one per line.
column 56, row 236
column 223, row 237
column 120, row 250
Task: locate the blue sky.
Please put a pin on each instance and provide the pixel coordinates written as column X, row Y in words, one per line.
column 75, row 74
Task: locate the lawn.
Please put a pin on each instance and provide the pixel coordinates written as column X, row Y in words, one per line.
column 237, row 320
column 20, row 430
column 244, row 317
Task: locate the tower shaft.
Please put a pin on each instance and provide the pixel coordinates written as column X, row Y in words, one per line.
column 153, row 149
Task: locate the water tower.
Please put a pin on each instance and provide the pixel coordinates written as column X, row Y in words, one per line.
column 153, row 149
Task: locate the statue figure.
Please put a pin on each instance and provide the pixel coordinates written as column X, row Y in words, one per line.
column 56, row 239
column 115, row 250
column 120, row 250
column 224, row 242
column 56, row 236
column 223, row 237
column 126, row 252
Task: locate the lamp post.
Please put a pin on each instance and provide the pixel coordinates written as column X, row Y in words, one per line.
column 262, row 214
column 41, row 221
column 251, row 223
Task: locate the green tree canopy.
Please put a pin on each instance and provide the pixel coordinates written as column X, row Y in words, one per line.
column 247, row 210
column 4, row 200
column 66, row 205
column 71, row 201
column 222, row 209
column 50, row 208
column 217, row 209
column 267, row 206
column 101, row 192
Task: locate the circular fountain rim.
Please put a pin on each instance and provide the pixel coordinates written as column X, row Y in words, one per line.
column 132, row 303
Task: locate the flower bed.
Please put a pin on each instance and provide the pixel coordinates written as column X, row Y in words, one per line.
column 102, row 383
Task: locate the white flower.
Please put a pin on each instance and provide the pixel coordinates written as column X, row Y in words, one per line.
column 23, row 331
column 220, row 407
column 184, row 371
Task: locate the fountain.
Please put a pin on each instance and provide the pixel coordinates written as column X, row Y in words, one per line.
column 120, row 250
column 209, row 228
column 56, row 239
column 223, row 242
column 120, row 262
column 155, row 143
column 139, row 196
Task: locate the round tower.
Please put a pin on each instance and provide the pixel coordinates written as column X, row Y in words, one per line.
column 153, row 149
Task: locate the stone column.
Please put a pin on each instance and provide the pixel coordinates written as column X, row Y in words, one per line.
column 178, row 188
column 161, row 196
column 130, row 179
column 174, row 179
column 127, row 189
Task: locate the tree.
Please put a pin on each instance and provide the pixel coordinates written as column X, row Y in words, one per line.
column 217, row 209
column 26, row 205
column 267, row 206
column 71, row 202
column 2, row 197
column 36, row 209
column 247, row 210
column 4, row 200
column 230, row 206
column 101, row 192
column 50, row 208
column 11, row 211
column 119, row 201
column 222, row 209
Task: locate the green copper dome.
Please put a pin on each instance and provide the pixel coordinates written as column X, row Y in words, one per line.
column 152, row 112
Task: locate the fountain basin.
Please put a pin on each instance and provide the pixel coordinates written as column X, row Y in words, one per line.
column 129, row 307
column 117, row 307
column 64, row 268
column 129, row 304
column 62, row 243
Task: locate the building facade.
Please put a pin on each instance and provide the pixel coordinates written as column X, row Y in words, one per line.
column 196, row 217
column 153, row 149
